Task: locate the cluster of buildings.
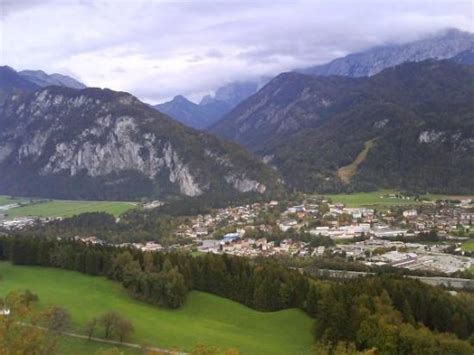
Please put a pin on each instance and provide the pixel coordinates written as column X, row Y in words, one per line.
column 364, row 234
column 412, row 256
column 385, row 236
column 20, row 222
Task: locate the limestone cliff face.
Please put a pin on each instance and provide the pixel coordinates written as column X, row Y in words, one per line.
column 101, row 135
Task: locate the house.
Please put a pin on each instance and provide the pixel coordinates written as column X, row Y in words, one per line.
column 208, row 245
column 286, row 225
column 229, row 238
column 319, row 231
column 410, row 214
column 466, row 218
column 4, row 311
column 151, row 246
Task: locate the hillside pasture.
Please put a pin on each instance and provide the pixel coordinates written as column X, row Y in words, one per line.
column 205, row 318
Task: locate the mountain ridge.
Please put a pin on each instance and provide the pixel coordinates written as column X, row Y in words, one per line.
column 43, row 79
column 309, row 127
column 211, row 107
column 443, row 45
column 98, row 143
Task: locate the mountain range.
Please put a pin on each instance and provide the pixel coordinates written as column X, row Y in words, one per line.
column 409, row 127
column 26, row 81
column 361, row 122
column 101, row 144
column 466, row 57
column 211, row 108
column 42, row 79
column 11, row 83
column 443, row 45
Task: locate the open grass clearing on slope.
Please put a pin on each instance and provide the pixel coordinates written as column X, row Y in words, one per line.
column 68, row 208
column 204, row 318
column 347, row 172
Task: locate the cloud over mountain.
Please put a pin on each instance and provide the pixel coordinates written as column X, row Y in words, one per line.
column 158, row 49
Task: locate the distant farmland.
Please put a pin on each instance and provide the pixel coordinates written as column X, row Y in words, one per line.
column 381, row 198
column 63, row 208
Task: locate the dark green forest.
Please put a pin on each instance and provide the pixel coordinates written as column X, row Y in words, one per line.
column 391, row 314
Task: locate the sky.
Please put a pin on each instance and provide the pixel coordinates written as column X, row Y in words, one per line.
column 159, row 49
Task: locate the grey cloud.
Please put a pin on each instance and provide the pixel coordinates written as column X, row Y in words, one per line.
column 159, row 49
column 8, row 7
column 214, row 53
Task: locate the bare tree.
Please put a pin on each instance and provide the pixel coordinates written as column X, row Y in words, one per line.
column 57, row 319
column 109, row 321
column 124, row 329
column 116, row 325
column 28, row 297
column 90, row 327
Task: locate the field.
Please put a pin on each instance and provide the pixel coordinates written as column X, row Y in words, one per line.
column 64, row 208
column 374, row 199
column 71, row 346
column 468, row 246
column 205, row 318
column 5, row 200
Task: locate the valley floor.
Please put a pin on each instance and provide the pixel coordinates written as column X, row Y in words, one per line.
column 383, row 198
column 24, row 207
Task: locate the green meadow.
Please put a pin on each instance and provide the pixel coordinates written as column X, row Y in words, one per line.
column 63, row 208
column 6, row 200
column 380, row 198
column 204, row 319
column 72, row 346
column 468, row 246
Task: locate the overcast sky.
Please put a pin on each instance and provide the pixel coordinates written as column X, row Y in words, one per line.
column 157, row 49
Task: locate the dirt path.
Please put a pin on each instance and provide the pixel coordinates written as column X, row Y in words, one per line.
column 115, row 342
column 129, row 345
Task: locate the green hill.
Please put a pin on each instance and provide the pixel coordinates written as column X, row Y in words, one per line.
column 204, row 318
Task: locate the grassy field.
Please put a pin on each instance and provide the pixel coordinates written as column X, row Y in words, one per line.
column 5, row 200
column 72, row 346
column 65, row 208
column 204, row 318
column 374, row 199
column 468, row 246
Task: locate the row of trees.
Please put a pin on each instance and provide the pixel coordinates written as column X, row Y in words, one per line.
column 113, row 324
column 381, row 311
column 165, row 279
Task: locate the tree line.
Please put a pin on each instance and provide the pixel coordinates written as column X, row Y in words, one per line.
column 392, row 314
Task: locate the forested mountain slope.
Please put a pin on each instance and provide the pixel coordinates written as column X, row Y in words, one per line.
column 418, row 116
